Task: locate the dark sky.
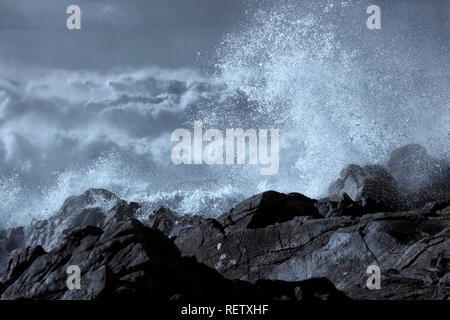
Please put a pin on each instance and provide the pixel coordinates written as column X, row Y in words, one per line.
column 171, row 33
column 167, row 33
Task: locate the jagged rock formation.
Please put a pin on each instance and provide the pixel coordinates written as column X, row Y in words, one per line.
column 170, row 223
column 345, row 206
column 340, row 249
column 373, row 216
column 131, row 261
column 270, row 246
column 9, row 240
column 95, row 207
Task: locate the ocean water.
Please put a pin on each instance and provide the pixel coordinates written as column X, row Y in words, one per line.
column 338, row 92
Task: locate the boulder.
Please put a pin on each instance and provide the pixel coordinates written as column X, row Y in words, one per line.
column 267, row 208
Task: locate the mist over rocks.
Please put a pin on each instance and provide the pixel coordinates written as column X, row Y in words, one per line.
column 410, row 179
column 413, row 168
column 95, row 207
column 372, row 182
column 368, row 218
column 420, row 177
column 270, row 246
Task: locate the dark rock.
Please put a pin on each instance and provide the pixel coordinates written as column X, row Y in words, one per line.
column 338, row 248
column 370, row 184
column 122, row 211
column 328, row 207
column 95, row 207
column 170, row 223
column 347, row 207
column 79, row 207
column 89, row 209
column 267, row 208
column 131, row 261
column 412, row 179
column 9, row 240
column 272, row 246
column 19, row 261
column 406, row 285
column 311, row 289
column 191, row 239
column 440, row 207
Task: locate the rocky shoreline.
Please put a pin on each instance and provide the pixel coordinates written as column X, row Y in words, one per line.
column 272, row 246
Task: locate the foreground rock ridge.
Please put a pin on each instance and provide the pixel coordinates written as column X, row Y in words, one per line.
column 271, row 246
